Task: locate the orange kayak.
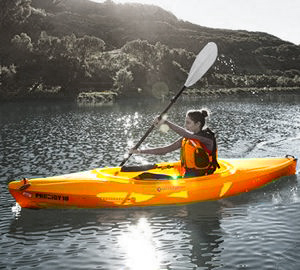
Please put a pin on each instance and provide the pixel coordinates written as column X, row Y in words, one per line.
column 115, row 188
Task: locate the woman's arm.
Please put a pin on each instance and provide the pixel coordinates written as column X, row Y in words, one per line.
column 160, row 150
column 187, row 134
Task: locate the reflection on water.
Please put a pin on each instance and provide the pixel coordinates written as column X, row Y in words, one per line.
column 139, row 245
column 261, row 226
column 134, row 239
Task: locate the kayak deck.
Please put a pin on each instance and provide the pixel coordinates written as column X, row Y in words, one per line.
column 112, row 187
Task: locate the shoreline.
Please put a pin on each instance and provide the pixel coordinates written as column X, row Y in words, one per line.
column 194, row 92
column 241, row 91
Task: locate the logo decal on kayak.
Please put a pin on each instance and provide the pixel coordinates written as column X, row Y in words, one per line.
column 27, row 194
column 163, row 188
column 51, row 197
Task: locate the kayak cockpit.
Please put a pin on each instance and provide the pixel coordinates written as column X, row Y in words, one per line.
column 170, row 169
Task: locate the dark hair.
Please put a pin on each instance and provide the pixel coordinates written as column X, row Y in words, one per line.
column 198, row 116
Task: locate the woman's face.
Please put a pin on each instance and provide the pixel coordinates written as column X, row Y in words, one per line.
column 192, row 126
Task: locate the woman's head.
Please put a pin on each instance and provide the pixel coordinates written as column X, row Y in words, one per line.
column 198, row 117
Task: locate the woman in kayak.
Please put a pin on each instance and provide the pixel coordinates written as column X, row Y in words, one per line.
column 198, row 145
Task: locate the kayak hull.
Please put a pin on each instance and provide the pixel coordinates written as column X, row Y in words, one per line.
column 112, row 188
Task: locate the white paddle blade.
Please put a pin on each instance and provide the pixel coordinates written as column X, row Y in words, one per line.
column 202, row 63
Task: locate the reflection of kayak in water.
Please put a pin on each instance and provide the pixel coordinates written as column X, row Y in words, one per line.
column 113, row 187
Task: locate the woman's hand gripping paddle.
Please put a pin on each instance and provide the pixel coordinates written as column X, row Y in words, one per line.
column 204, row 60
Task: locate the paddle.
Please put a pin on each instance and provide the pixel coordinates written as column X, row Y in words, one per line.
column 201, row 65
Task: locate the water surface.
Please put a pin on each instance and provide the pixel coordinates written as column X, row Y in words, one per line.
column 256, row 230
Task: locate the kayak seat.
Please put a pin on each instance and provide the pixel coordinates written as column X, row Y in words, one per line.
column 152, row 176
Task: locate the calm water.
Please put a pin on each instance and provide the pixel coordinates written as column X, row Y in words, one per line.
column 257, row 230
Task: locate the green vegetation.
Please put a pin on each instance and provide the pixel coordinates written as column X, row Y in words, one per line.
column 96, row 98
column 57, row 49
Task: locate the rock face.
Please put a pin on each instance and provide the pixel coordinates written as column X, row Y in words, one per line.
column 96, row 98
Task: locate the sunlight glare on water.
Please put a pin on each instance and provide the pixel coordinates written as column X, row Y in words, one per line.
column 137, row 241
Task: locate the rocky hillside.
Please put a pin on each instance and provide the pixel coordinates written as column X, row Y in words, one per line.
column 62, row 47
column 116, row 24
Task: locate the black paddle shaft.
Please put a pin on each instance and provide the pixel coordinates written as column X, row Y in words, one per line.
column 153, row 126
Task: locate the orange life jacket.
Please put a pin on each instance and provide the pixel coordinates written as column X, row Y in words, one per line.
column 195, row 155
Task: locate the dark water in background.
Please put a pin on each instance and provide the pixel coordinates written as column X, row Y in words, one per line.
column 257, row 230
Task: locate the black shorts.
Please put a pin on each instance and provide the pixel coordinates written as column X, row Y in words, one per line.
column 194, row 173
